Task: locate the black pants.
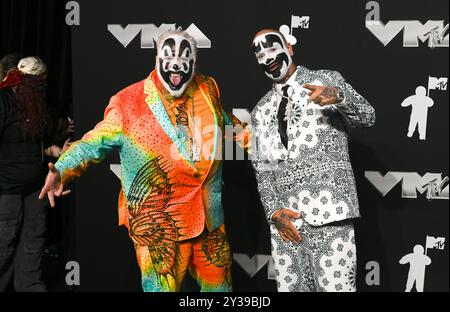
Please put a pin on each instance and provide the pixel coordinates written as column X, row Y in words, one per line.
column 22, row 240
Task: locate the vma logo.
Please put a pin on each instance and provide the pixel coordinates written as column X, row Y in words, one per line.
column 149, row 33
column 252, row 265
column 431, row 183
column 413, row 31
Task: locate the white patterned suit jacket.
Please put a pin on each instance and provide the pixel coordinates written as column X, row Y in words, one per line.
column 313, row 175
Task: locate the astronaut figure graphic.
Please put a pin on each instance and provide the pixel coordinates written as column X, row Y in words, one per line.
column 420, row 102
column 418, row 261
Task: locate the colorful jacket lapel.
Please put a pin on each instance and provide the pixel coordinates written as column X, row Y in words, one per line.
column 205, row 92
column 157, row 107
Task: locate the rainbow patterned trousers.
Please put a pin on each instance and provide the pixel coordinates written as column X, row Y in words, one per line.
column 206, row 257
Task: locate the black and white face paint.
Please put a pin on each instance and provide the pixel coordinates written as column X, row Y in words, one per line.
column 273, row 55
column 175, row 64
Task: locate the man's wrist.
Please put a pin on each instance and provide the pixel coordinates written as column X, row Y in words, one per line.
column 60, row 168
column 273, row 214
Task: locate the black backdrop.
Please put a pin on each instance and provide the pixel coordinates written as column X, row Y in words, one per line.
column 31, row 27
column 336, row 39
column 37, row 28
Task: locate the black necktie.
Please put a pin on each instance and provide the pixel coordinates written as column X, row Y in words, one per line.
column 282, row 124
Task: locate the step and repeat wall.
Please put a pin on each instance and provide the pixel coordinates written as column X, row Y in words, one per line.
column 394, row 53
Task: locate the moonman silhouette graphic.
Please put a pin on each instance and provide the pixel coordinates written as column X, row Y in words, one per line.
column 417, row 264
column 420, row 103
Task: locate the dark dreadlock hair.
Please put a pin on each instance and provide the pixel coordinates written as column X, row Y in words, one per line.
column 32, row 105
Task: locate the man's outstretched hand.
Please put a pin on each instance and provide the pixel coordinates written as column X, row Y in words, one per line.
column 53, row 185
column 322, row 95
column 282, row 220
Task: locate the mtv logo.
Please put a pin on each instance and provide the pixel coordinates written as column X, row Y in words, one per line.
column 300, row 22
column 430, row 183
column 304, row 22
column 438, row 83
column 440, row 244
column 442, row 85
column 435, row 242
column 437, row 35
column 150, row 33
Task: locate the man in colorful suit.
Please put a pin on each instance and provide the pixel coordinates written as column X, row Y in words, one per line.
column 168, row 129
column 303, row 168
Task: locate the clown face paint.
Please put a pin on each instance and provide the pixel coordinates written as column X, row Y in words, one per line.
column 175, row 64
column 273, row 55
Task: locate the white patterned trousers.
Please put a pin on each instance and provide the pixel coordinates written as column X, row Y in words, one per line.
column 325, row 259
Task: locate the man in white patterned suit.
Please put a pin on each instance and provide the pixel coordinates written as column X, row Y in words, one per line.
column 303, row 169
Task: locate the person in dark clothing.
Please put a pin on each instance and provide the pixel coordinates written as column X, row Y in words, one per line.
column 24, row 141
